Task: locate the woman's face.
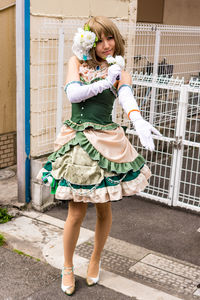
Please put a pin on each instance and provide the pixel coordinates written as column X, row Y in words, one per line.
column 105, row 46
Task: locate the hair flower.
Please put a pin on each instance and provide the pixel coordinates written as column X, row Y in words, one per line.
column 84, row 41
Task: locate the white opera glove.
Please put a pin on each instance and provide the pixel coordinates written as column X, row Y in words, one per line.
column 114, row 73
column 143, row 128
column 77, row 92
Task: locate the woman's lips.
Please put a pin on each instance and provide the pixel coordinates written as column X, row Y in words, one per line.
column 107, row 52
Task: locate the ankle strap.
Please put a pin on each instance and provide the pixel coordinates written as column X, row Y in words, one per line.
column 68, row 268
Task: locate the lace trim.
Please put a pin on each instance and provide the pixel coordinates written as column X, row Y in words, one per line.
column 89, row 74
column 81, row 127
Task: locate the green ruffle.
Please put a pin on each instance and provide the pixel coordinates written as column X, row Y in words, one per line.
column 103, row 162
column 81, row 127
column 63, row 150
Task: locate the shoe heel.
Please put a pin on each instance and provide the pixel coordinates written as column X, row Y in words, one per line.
column 93, row 280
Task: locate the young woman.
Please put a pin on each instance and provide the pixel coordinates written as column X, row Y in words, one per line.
column 93, row 160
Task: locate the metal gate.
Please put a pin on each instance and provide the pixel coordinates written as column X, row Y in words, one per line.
column 174, row 109
column 168, row 103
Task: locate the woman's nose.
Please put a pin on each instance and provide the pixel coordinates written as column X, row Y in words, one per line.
column 106, row 44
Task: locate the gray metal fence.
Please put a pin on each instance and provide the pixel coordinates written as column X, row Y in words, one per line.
column 171, row 104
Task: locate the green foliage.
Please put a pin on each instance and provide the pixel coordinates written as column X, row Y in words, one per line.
column 4, row 216
column 2, row 240
column 22, row 253
column 86, row 27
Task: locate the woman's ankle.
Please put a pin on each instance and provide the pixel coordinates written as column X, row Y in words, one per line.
column 95, row 258
column 68, row 265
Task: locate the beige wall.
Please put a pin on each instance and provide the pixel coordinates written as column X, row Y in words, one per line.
column 182, row 12
column 150, row 11
column 78, row 8
column 6, row 3
column 7, row 68
column 170, row 12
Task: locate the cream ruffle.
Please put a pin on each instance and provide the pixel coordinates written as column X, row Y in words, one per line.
column 111, row 144
column 110, row 193
column 65, row 135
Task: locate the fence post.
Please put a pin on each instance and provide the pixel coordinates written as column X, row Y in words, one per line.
column 155, row 72
column 60, row 80
column 179, row 147
column 23, row 98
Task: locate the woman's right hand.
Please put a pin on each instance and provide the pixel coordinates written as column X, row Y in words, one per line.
column 114, row 73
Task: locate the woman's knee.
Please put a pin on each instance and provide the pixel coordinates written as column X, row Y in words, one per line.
column 76, row 212
column 104, row 211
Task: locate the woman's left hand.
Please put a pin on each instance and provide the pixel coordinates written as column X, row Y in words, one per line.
column 144, row 130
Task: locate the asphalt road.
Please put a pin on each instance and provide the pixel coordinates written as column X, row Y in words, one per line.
column 148, row 224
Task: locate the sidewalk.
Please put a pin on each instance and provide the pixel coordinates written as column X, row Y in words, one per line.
column 128, row 271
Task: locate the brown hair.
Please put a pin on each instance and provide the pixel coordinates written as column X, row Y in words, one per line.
column 104, row 25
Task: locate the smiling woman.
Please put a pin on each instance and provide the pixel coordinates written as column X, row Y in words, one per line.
column 106, row 31
column 105, row 46
column 93, row 159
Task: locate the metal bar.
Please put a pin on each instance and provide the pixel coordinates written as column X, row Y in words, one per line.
column 20, row 97
column 159, row 81
column 180, row 133
column 155, row 71
column 60, row 80
column 27, row 98
column 23, row 98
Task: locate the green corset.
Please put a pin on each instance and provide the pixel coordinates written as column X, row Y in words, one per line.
column 95, row 111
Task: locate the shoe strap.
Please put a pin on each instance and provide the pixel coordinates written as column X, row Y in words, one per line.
column 68, row 268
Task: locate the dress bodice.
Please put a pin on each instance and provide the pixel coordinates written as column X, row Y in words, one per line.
column 95, row 111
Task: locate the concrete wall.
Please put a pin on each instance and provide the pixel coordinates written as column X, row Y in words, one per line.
column 150, row 11
column 7, row 68
column 77, row 8
column 182, row 12
column 7, row 84
column 170, row 12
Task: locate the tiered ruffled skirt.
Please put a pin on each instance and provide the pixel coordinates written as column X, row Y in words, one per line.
column 93, row 165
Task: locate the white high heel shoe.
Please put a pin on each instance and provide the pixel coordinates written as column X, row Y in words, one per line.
column 93, row 280
column 67, row 289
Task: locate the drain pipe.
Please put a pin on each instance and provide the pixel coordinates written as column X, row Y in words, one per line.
column 23, row 98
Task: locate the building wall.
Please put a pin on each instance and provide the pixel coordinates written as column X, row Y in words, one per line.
column 7, row 69
column 150, row 11
column 77, row 8
column 169, row 12
column 7, row 149
column 182, row 12
column 7, row 84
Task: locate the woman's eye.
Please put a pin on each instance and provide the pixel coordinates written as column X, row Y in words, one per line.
column 99, row 41
column 110, row 37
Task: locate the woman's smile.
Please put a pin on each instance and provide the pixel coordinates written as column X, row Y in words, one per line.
column 105, row 46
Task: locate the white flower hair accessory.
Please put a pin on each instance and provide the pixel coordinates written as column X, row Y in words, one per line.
column 118, row 59
column 84, row 41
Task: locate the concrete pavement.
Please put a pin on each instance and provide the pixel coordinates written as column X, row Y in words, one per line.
column 128, row 271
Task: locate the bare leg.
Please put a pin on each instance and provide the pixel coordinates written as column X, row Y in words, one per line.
column 103, row 226
column 76, row 214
